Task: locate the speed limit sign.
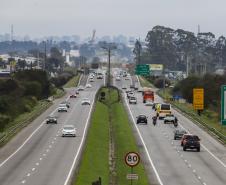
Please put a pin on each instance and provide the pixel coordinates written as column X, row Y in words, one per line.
column 132, row 159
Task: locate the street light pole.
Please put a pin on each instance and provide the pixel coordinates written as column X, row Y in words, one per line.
column 109, row 67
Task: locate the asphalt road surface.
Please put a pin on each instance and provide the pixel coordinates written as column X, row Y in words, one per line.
column 172, row 165
column 38, row 155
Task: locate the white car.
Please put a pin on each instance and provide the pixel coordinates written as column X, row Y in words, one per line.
column 62, row 108
column 132, row 100
column 170, row 118
column 91, row 80
column 86, row 101
column 88, row 85
column 69, row 130
column 149, row 103
column 118, row 78
column 81, row 88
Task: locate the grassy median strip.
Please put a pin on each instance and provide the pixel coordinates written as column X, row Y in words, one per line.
column 125, row 142
column 109, row 114
column 94, row 162
column 72, row 82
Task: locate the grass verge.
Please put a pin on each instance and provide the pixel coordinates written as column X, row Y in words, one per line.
column 72, row 82
column 22, row 121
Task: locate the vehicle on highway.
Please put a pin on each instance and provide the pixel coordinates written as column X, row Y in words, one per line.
column 140, row 89
column 163, row 109
column 127, row 78
column 88, row 85
column 100, row 76
column 148, row 94
column 136, row 87
column 51, row 119
column 124, row 87
column 73, row 96
column 77, row 92
column 128, row 90
column 91, row 80
column 190, row 141
column 178, row 133
column 67, row 103
column 118, row 78
column 142, row 119
column 81, row 88
column 132, row 86
column 85, row 101
column 132, row 100
column 62, row 108
column 68, row 130
column 149, row 102
column 169, row 118
column 130, row 94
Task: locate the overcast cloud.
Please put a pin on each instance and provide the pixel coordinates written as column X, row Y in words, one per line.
column 110, row 17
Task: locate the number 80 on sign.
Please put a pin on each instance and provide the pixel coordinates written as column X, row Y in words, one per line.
column 132, row 159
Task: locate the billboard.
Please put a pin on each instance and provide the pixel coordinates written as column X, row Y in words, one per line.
column 156, row 67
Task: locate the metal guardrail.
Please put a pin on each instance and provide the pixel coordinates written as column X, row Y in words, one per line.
column 5, row 136
column 198, row 121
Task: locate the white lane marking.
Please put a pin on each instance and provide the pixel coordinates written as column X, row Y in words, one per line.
column 194, row 171
column 215, row 157
column 37, row 164
column 80, row 146
column 55, row 138
column 33, row 169
column 47, row 150
column 28, row 175
column 44, row 154
column 40, row 158
column 145, row 147
column 189, row 165
column 50, row 146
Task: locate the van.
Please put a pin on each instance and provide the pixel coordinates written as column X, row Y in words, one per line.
column 163, row 109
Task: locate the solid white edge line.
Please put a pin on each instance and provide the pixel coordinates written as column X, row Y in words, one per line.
column 215, row 157
column 29, row 136
column 81, row 144
column 145, row 147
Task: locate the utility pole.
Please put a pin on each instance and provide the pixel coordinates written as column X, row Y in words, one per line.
column 109, row 47
column 44, row 65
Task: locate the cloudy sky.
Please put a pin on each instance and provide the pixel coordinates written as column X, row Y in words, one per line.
column 110, row 17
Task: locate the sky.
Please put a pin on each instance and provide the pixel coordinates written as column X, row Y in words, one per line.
column 39, row 18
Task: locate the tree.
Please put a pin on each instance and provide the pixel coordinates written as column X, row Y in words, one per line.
column 137, row 51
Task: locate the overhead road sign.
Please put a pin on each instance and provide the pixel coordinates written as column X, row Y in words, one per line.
column 156, row 67
column 198, row 98
column 223, row 104
column 142, row 69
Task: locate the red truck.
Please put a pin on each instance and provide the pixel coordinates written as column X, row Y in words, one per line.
column 148, row 94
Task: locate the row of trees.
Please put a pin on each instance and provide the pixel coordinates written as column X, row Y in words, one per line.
column 172, row 47
column 210, row 83
column 21, row 93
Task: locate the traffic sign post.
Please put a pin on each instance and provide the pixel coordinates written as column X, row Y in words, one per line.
column 223, row 104
column 142, row 69
column 132, row 159
column 198, row 99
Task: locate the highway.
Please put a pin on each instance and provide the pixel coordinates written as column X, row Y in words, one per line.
column 170, row 164
column 38, row 155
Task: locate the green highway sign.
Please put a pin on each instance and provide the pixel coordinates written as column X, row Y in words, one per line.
column 142, row 69
column 223, row 104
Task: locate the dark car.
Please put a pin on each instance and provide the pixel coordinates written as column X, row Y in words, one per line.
column 132, row 86
column 51, row 119
column 142, row 119
column 178, row 134
column 190, row 141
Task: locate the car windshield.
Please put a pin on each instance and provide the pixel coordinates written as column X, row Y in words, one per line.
column 165, row 107
column 68, row 128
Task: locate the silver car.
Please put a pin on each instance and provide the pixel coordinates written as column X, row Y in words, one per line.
column 68, row 130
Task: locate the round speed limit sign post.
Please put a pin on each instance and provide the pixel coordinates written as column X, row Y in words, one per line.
column 132, row 159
